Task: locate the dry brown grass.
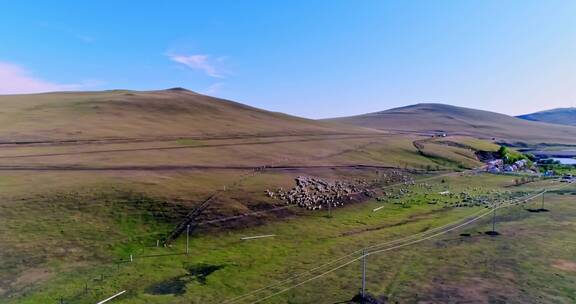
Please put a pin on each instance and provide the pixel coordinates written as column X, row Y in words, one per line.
column 132, row 114
column 463, row 121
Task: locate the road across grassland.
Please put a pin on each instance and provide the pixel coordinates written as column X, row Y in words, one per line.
column 199, row 146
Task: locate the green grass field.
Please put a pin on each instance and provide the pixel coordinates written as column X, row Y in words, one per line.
column 89, row 180
column 301, row 242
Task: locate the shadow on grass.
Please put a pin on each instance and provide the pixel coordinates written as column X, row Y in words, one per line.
column 177, row 285
column 537, row 210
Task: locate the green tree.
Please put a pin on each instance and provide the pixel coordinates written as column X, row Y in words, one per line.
column 503, row 151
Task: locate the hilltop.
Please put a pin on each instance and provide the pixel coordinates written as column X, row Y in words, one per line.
column 141, row 114
column 561, row 116
column 434, row 118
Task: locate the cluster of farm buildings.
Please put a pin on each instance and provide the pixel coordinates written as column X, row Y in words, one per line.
column 522, row 165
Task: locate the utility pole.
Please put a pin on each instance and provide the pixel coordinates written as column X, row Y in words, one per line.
column 493, row 232
column 494, row 220
column 187, row 239
column 542, row 209
column 363, row 291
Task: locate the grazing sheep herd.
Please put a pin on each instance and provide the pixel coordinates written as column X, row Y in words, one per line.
column 396, row 187
column 315, row 193
column 424, row 193
column 489, row 199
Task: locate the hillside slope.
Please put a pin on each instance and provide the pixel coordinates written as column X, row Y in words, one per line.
column 561, row 116
column 429, row 117
column 134, row 114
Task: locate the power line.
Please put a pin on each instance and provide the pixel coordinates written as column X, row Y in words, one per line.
column 351, row 254
column 406, row 238
column 344, row 257
column 502, row 205
column 350, row 262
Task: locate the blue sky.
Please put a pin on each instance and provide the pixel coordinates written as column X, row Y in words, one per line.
column 310, row 58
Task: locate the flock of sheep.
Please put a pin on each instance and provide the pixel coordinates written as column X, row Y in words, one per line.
column 315, row 193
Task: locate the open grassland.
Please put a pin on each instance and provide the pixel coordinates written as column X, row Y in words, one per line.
column 532, row 261
column 89, row 233
column 89, row 179
column 379, row 150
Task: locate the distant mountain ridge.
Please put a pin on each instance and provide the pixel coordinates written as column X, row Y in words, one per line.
column 434, row 117
column 560, row 116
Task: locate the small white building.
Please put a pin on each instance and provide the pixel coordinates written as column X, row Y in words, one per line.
column 495, row 162
column 520, row 164
column 494, row 169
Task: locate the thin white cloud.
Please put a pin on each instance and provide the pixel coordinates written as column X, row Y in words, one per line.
column 14, row 79
column 213, row 89
column 202, row 63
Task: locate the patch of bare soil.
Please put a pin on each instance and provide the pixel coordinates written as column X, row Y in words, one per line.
column 564, row 265
column 486, row 156
column 31, row 276
column 473, row 290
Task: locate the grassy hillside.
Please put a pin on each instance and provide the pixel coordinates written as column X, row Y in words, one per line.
column 71, row 211
column 561, row 116
column 463, row 121
column 133, row 114
column 109, row 231
column 95, row 177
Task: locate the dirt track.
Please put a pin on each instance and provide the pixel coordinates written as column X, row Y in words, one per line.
column 181, row 147
column 190, row 167
column 116, row 140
